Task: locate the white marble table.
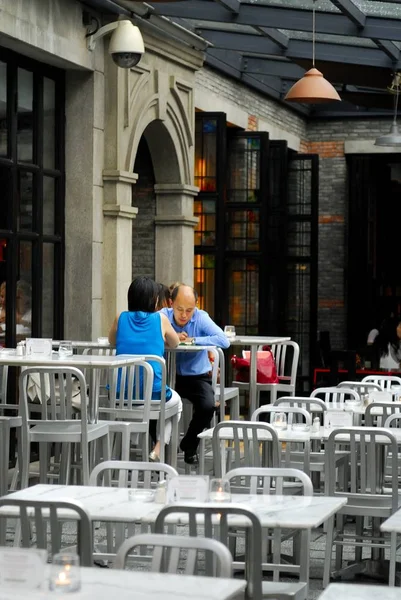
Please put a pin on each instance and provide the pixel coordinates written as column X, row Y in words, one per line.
column 93, row 363
column 103, row 584
column 113, row 505
column 254, row 341
column 354, row 591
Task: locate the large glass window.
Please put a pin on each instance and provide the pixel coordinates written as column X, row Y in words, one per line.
column 32, row 197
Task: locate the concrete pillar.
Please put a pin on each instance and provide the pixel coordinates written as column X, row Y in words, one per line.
column 117, row 241
column 175, row 225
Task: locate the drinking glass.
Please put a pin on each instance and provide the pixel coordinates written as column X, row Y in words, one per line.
column 65, row 349
column 65, row 574
column 219, row 490
column 229, row 330
column 280, row 420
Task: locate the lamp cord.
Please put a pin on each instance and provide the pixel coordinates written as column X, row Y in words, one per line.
column 313, row 32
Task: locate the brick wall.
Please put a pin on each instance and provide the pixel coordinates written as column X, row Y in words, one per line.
column 251, row 101
column 326, row 138
column 143, row 227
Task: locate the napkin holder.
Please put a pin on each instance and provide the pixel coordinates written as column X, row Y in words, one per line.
column 39, row 347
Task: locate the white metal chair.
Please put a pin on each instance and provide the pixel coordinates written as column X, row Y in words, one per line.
column 363, row 487
column 244, row 444
column 296, row 453
column 167, row 556
column 60, row 422
column 286, row 356
column 386, row 382
column 253, row 480
column 212, row 520
column 377, row 413
column 129, row 416
column 126, row 474
column 269, row 481
column 133, row 416
column 362, row 387
column 225, row 394
column 314, row 406
column 131, row 474
column 335, row 397
column 42, row 512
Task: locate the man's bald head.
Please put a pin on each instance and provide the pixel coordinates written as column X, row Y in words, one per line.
column 184, row 299
column 185, row 289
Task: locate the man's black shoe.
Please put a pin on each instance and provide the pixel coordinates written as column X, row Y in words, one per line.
column 190, row 458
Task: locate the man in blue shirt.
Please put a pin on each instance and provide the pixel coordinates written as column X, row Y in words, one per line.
column 193, row 380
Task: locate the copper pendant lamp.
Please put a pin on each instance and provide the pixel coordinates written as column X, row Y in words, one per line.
column 313, row 88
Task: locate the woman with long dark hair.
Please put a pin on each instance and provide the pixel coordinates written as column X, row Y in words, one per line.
column 142, row 330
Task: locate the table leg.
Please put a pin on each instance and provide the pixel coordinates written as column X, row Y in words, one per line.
column 252, row 381
column 171, row 365
column 94, row 387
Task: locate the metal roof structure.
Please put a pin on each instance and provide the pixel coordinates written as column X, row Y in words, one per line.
column 267, row 45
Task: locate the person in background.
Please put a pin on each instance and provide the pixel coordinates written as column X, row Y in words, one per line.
column 171, row 289
column 193, row 379
column 142, row 330
column 23, row 314
column 163, row 296
column 388, row 343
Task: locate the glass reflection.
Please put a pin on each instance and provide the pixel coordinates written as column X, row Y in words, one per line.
column 48, row 291
column 25, row 116
column 48, row 205
column 25, row 189
column 49, row 120
column 3, row 109
column 24, row 291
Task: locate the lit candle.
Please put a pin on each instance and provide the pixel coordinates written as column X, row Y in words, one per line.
column 63, row 578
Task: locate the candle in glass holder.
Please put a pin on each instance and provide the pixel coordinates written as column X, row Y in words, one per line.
column 65, row 575
column 219, row 490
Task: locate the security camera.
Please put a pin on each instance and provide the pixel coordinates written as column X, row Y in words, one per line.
column 126, row 44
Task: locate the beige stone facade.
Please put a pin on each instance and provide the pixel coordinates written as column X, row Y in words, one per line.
column 108, row 110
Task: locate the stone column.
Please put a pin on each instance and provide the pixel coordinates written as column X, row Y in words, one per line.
column 175, row 225
column 117, row 241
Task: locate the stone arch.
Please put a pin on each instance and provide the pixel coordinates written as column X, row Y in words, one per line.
column 168, row 141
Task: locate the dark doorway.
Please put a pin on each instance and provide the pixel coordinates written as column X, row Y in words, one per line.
column 374, row 276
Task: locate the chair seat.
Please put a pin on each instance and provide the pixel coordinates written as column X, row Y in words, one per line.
column 66, row 432
column 229, row 392
column 275, row 589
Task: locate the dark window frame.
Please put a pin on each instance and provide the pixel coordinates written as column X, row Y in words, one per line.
column 12, row 233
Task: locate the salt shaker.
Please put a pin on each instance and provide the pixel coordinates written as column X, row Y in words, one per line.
column 21, row 348
column 316, row 425
column 160, row 495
